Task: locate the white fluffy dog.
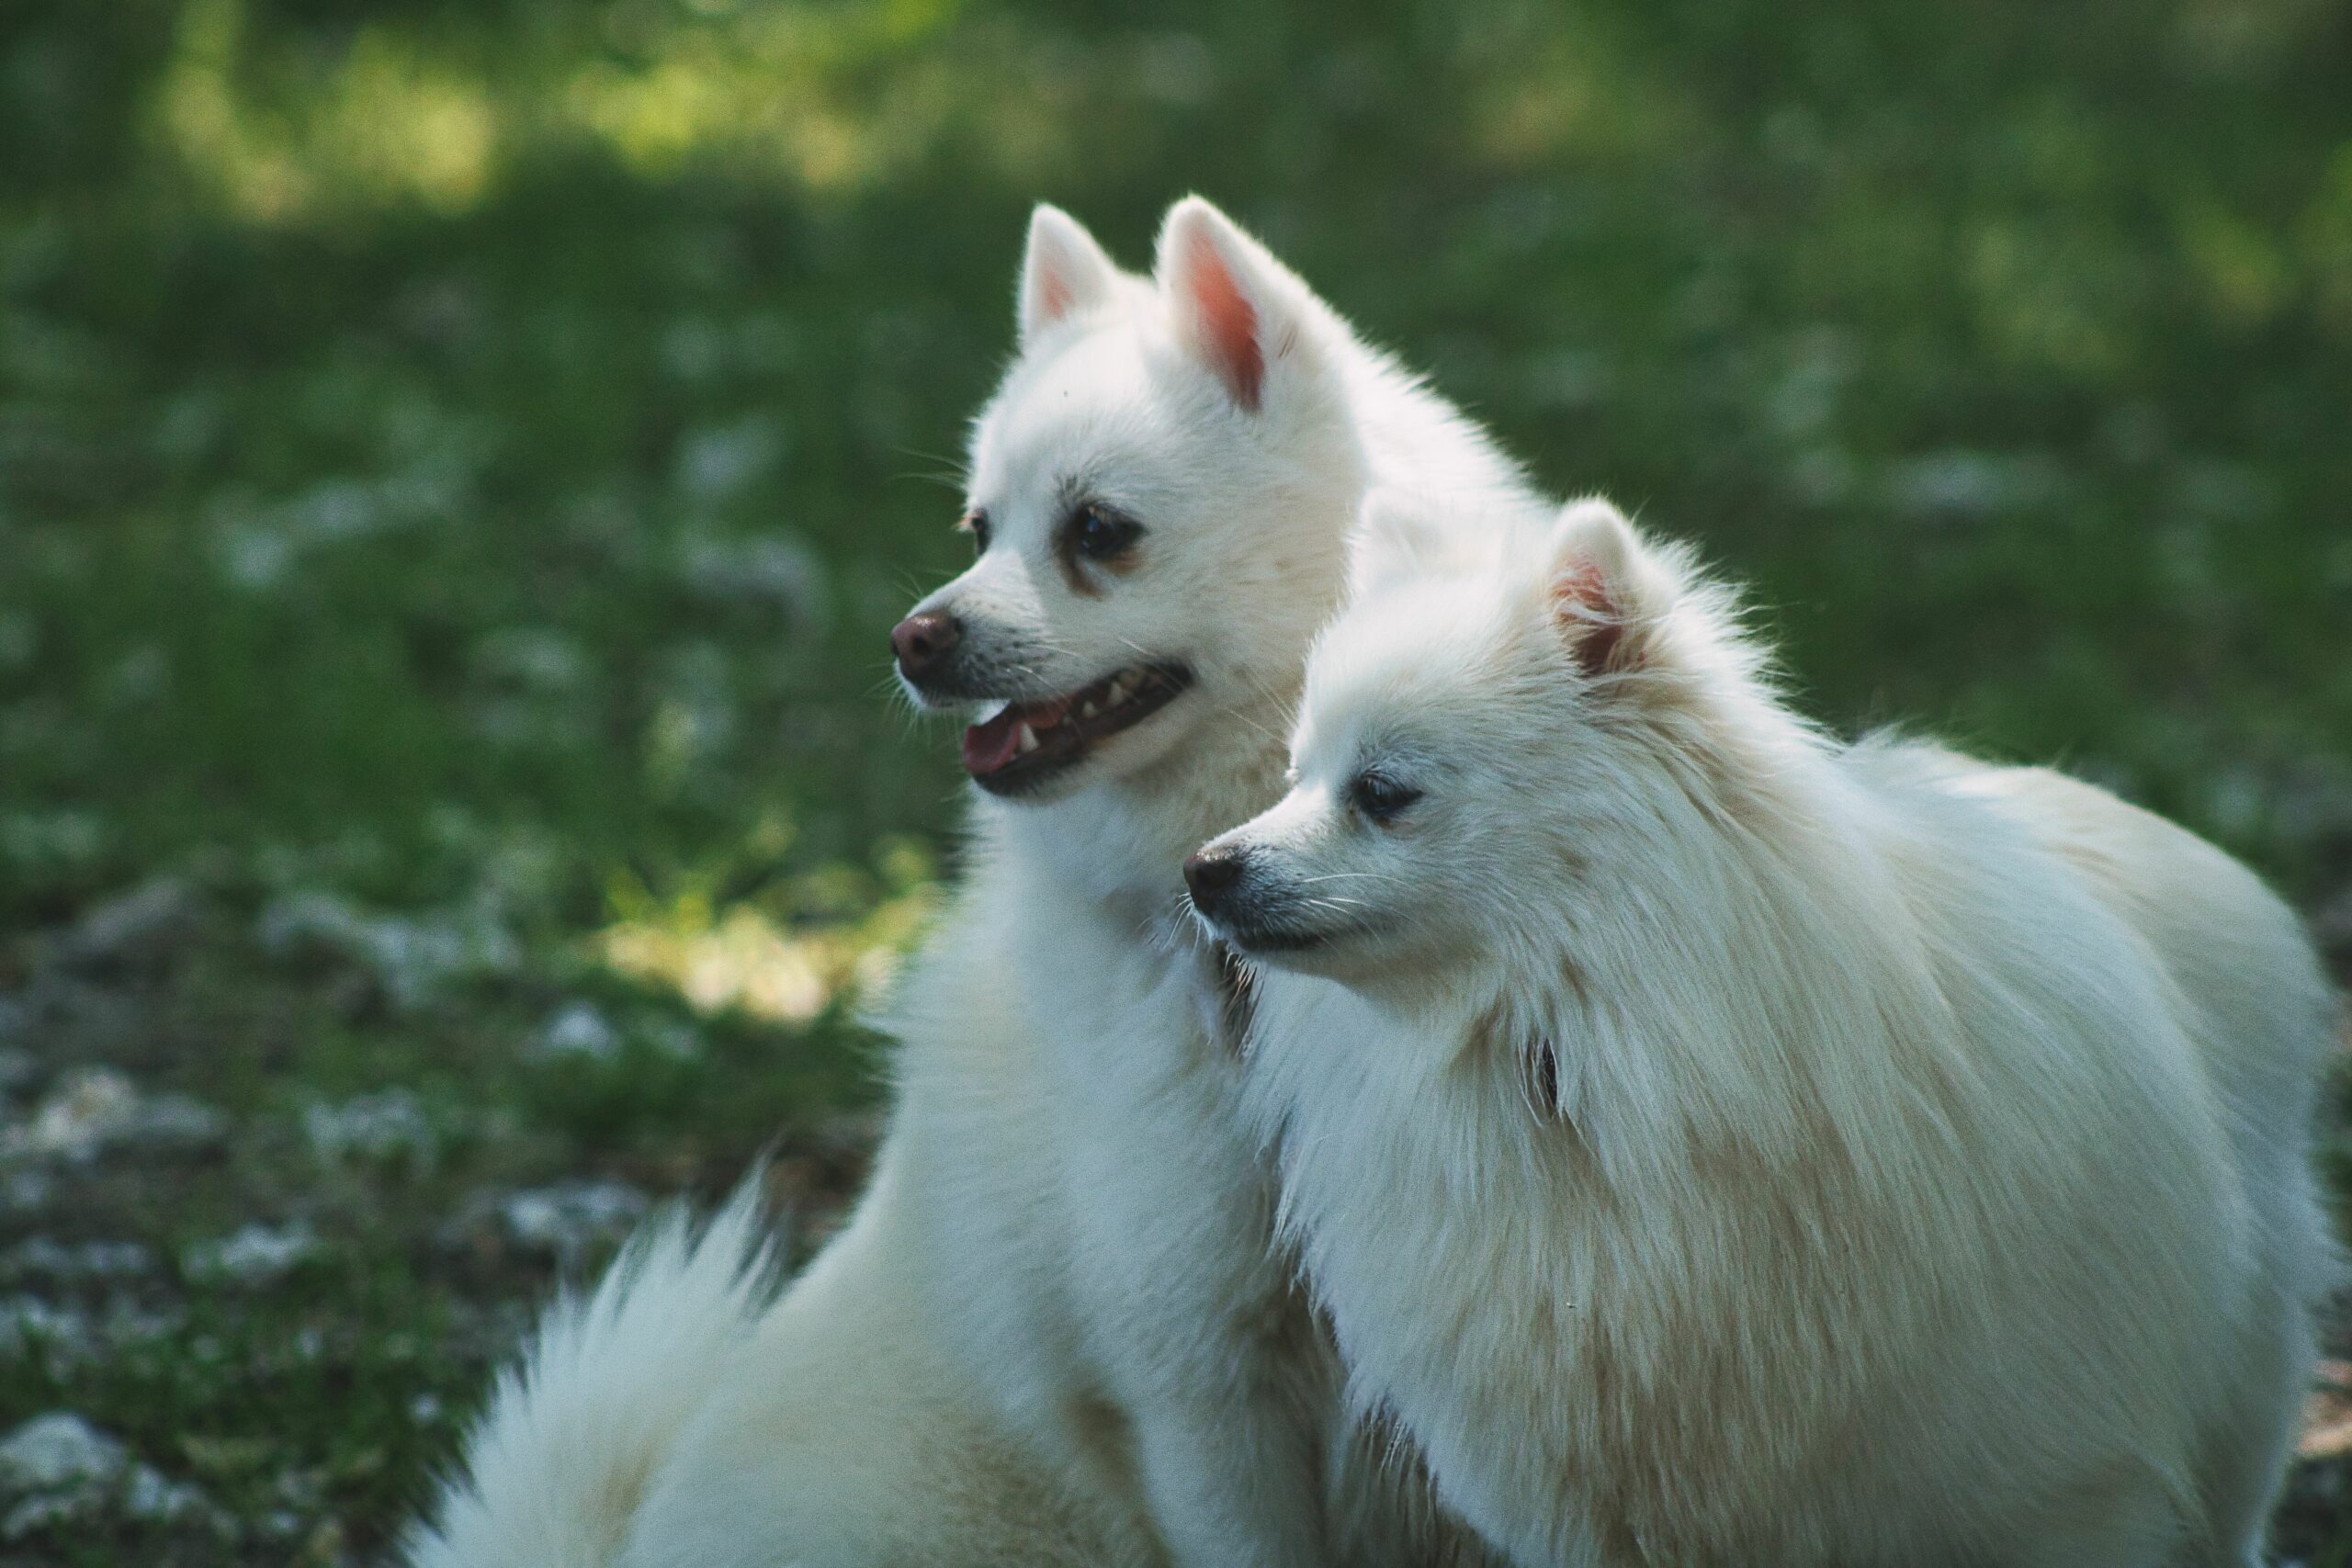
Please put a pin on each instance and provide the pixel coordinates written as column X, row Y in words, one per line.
column 1053, row 1331
column 1718, row 1145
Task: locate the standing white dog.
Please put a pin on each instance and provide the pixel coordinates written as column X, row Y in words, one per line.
column 1715, row 1145
column 1053, row 1331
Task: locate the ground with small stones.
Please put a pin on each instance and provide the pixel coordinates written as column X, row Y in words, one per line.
column 242, row 1316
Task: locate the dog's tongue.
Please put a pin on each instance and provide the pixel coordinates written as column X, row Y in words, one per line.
column 988, row 746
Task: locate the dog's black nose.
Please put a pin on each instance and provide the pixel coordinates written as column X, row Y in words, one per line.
column 1211, row 874
column 922, row 642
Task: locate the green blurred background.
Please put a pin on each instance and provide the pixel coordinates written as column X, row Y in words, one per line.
column 459, row 460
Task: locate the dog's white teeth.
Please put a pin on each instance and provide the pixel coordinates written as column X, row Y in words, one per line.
column 1121, row 687
column 990, row 712
column 1028, row 743
column 1087, row 710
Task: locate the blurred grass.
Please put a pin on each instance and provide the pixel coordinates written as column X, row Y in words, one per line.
column 459, row 460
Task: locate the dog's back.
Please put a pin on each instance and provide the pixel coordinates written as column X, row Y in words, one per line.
column 2248, row 972
column 2258, row 1008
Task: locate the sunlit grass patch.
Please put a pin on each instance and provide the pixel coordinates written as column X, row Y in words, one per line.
column 397, row 114
column 388, row 123
column 827, row 937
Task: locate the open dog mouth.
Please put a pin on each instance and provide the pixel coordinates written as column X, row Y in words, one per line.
column 1024, row 743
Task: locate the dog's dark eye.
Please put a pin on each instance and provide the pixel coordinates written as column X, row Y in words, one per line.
column 1379, row 796
column 976, row 522
column 1098, row 534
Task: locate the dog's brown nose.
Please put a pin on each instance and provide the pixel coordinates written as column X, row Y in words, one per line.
column 1210, row 875
column 922, row 642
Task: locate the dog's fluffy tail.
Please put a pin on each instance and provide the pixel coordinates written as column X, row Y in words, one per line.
column 555, row 1470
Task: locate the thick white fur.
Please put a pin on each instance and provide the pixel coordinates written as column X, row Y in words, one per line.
column 557, row 1468
column 1922, row 1173
column 1053, row 1331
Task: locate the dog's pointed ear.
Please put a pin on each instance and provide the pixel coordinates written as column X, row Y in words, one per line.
column 1398, row 539
column 1606, row 597
column 1064, row 273
column 1233, row 306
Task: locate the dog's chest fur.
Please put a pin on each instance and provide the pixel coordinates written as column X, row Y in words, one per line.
column 1161, row 1176
column 1112, row 1253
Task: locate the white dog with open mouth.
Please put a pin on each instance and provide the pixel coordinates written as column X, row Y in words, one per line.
column 1053, row 1331
column 1716, row 1145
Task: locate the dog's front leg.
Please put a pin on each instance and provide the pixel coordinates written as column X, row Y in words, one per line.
column 1234, row 1485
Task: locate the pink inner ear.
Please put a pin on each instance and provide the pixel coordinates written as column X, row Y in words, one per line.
column 1053, row 298
column 1588, row 618
column 1228, row 322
